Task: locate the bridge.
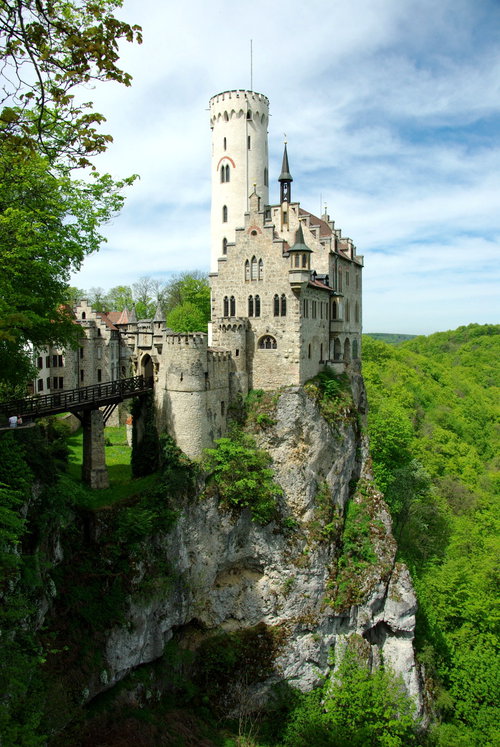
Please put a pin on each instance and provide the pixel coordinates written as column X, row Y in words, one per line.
column 85, row 403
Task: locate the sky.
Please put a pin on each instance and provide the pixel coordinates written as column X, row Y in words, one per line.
column 391, row 110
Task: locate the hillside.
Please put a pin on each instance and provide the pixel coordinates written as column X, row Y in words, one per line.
column 433, row 425
column 392, row 338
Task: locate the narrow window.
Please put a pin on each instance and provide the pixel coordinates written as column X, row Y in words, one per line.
column 249, row 114
column 347, row 279
column 250, row 305
column 222, row 174
column 247, row 270
column 297, row 260
column 48, row 383
column 340, row 279
column 40, row 385
column 222, row 408
column 276, row 305
column 99, row 332
column 81, row 353
column 257, row 305
column 84, row 315
column 321, row 353
column 334, row 309
column 254, row 269
column 304, row 260
column 356, row 314
column 54, row 361
column 60, row 360
column 261, row 269
column 227, row 173
column 225, row 143
column 232, row 306
column 248, row 142
column 55, row 382
column 226, row 306
column 47, row 361
column 347, row 311
column 99, row 375
column 61, row 382
column 336, row 349
column 283, row 305
column 224, row 214
column 81, row 375
column 237, row 352
column 224, row 245
column 40, row 362
column 309, row 350
column 266, row 178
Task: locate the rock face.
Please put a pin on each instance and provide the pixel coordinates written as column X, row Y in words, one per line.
column 231, row 573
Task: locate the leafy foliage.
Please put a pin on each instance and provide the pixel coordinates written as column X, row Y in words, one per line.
column 355, row 707
column 333, row 394
column 432, row 422
column 242, row 477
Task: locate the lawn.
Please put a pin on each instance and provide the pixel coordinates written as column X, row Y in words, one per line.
column 121, row 483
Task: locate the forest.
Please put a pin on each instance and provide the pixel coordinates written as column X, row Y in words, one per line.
column 433, row 405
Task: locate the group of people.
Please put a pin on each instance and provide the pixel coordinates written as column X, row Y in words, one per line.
column 15, row 420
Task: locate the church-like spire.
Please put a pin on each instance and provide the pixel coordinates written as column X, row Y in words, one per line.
column 285, row 179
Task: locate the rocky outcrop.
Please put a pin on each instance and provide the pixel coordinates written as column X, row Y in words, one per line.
column 229, row 573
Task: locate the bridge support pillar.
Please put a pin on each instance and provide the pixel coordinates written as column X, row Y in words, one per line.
column 94, row 471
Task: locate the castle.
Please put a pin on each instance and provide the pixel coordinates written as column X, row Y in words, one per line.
column 286, row 296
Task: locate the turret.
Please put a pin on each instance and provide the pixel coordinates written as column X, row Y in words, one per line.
column 238, row 120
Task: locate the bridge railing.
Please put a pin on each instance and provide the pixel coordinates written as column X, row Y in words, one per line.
column 75, row 399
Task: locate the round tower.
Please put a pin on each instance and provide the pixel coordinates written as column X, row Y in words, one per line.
column 239, row 121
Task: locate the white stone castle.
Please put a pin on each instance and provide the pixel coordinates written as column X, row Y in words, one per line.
column 286, row 294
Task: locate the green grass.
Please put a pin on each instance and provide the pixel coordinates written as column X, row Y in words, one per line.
column 121, row 483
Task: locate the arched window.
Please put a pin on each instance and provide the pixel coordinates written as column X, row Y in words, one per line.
column 276, row 305
column 347, row 349
column 226, row 306
column 283, row 305
column 227, row 172
column 224, row 245
column 309, row 350
column 356, row 312
column 249, row 114
column 257, row 305
column 247, row 270
column 337, row 349
column 84, row 315
column 347, row 311
column 224, row 213
column 304, row 260
column 355, row 349
column 261, row 269
column 267, row 343
column 253, row 275
column 249, row 142
column 297, row 260
column 250, row 305
column 334, row 309
column 266, row 177
column 232, row 306
column 226, row 117
column 223, row 173
column 225, row 143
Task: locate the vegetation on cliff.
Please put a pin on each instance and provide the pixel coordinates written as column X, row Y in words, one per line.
column 434, row 441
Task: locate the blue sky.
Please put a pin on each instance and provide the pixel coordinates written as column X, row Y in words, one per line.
column 392, row 115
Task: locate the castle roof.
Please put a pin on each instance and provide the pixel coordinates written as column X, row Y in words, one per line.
column 324, row 228
column 285, row 175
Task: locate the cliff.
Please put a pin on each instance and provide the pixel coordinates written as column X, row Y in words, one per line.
column 320, row 573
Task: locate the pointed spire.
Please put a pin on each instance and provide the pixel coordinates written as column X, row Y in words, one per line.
column 285, row 175
column 159, row 315
column 300, row 245
column 133, row 316
column 285, row 179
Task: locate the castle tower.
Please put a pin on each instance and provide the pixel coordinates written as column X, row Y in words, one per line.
column 238, row 120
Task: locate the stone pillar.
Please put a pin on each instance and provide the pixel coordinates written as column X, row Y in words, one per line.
column 94, row 471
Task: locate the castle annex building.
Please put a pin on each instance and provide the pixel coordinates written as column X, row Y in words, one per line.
column 286, row 296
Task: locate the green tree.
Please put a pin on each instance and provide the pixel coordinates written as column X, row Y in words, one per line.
column 188, row 302
column 119, row 298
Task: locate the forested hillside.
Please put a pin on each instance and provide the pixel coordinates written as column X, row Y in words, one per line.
column 433, row 425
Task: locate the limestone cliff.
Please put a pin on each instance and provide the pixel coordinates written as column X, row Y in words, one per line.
column 295, row 575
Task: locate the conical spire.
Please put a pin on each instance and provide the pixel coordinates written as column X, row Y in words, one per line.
column 285, row 175
column 300, row 245
column 159, row 315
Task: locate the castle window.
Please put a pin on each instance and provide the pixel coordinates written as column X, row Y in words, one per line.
column 81, row 354
column 266, row 178
column 223, row 174
column 267, row 342
column 306, row 308
column 40, row 385
column 347, row 311
column 224, row 245
column 222, row 408
column 249, row 114
column 226, row 117
column 99, row 375
column 225, row 143
column 99, row 333
column 347, row 349
column 237, row 352
column 304, row 260
column 248, row 142
column 84, row 315
column 321, row 353
column 356, row 312
column 340, row 279
column 82, row 375
column 226, row 306
column 313, row 309
column 47, row 383
column 257, row 305
column 297, row 260
column 250, row 305
column 47, row 361
column 336, row 349
column 247, row 270
column 355, row 349
column 224, row 214
column 309, row 350
column 227, row 172
column 232, row 306
column 347, row 279
column 334, row 309
column 254, row 269
column 40, row 362
column 276, row 305
column 261, row 269
column 283, row 305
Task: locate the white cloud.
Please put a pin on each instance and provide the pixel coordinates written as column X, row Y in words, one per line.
column 392, row 113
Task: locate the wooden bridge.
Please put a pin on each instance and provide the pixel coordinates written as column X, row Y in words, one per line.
column 84, row 402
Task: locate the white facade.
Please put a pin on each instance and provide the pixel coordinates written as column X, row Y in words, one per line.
column 239, row 165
